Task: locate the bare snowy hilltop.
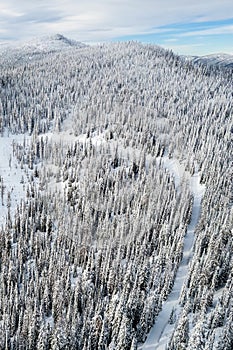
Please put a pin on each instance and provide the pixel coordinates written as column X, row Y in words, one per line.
column 36, row 49
column 116, row 198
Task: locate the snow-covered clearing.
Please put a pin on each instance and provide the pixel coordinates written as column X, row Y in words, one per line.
column 12, row 176
column 160, row 333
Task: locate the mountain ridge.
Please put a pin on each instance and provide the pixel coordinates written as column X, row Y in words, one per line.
column 55, row 42
column 218, row 59
column 37, row 47
column 32, row 49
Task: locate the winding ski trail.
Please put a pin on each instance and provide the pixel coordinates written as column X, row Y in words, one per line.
column 160, row 333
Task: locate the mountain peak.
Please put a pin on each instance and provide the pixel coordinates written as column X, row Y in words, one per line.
column 59, row 38
column 36, row 47
column 54, row 42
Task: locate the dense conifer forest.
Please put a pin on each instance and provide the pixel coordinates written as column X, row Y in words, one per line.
column 93, row 232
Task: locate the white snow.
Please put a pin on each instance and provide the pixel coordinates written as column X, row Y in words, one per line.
column 95, row 138
column 12, row 174
column 175, row 168
column 160, row 333
column 44, row 44
column 220, row 59
column 67, row 135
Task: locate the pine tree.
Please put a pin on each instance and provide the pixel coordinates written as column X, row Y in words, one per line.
column 180, row 336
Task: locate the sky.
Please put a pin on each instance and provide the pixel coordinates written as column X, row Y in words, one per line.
column 194, row 27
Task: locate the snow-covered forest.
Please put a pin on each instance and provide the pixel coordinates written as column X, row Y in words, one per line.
column 116, row 200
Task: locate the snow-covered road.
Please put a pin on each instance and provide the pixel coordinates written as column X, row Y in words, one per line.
column 160, row 333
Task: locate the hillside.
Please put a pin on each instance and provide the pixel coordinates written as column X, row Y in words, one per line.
column 116, row 200
column 36, row 49
column 221, row 59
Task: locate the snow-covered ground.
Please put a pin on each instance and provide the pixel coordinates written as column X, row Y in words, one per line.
column 13, row 178
column 12, row 175
column 160, row 333
column 36, row 48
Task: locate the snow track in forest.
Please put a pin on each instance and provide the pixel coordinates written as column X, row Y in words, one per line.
column 160, row 333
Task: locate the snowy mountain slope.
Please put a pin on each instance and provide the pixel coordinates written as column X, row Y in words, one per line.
column 50, row 43
column 221, row 59
column 37, row 48
column 114, row 229
column 14, row 177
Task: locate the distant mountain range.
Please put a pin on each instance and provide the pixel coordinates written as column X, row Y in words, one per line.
column 219, row 59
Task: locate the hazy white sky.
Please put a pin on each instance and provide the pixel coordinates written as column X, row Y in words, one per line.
column 186, row 26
